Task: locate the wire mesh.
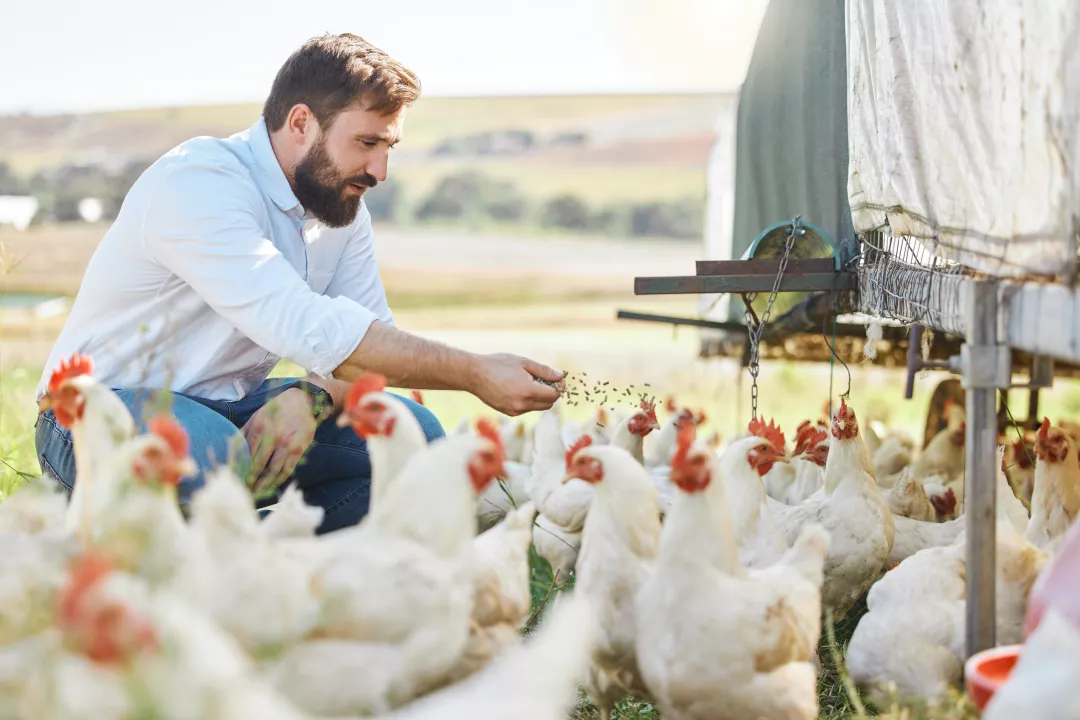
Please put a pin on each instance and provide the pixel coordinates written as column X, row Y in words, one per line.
column 902, row 280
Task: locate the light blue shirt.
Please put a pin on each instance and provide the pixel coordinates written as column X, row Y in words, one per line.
column 212, row 272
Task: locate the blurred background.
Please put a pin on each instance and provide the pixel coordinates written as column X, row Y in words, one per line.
column 559, row 149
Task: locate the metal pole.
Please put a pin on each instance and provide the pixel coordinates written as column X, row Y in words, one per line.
column 982, row 375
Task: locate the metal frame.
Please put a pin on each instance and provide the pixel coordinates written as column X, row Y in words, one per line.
column 1018, row 310
column 751, row 276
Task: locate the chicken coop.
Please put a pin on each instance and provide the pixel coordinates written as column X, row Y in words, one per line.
column 897, row 171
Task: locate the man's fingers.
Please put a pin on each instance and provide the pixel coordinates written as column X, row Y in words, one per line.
column 292, row 459
column 270, row 477
column 544, row 394
column 261, row 453
column 543, row 371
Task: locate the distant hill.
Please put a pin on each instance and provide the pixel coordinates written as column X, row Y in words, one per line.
column 607, row 152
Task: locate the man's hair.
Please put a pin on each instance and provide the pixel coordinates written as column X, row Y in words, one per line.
column 333, row 72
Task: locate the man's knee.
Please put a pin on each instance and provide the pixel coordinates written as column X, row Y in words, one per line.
column 215, row 441
column 433, row 429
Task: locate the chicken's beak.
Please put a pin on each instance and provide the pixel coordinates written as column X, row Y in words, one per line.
column 343, row 419
column 45, row 403
column 655, row 425
column 567, row 478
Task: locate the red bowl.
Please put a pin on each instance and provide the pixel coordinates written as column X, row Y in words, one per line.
column 986, row 671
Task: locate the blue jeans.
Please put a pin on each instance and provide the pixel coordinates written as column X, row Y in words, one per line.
column 335, row 472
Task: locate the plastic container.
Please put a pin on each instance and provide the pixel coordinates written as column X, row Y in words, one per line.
column 986, row 671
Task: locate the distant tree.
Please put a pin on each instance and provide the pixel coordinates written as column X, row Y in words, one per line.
column 675, row 219
column 502, row 201
column 384, row 200
column 615, row 219
column 452, row 198
column 10, row 183
column 472, row 195
column 567, row 212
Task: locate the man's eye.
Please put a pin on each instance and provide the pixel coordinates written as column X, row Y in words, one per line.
column 370, row 144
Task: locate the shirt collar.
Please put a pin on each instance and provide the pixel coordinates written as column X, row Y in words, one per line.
column 270, row 172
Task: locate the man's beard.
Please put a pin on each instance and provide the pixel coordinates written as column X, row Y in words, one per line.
column 320, row 188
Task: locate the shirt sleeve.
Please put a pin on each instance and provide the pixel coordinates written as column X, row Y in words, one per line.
column 203, row 224
column 357, row 273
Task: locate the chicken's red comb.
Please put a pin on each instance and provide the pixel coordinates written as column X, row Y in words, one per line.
column 700, row 417
column 417, row 396
column 73, row 367
column 83, row 573
column 669, row 404
column 366, row 383
column 172, row 432
column 802, row 427
column 770, row 432
column 649, row 409
column 1021, row 451
column 1043, row 435
column 684, row 440
column 601, row 415
column 809, row 439
column 487, row 429
column 945, row 504
column 582, row 442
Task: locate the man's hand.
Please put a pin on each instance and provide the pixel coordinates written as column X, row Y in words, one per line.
column 279, row 434
column 507, row 383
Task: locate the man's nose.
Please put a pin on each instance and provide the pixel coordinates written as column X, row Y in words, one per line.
column 379, row 165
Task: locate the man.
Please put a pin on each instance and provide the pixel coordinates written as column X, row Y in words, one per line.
column 229, row 254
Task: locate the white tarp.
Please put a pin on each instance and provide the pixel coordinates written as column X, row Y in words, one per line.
column 963, row 125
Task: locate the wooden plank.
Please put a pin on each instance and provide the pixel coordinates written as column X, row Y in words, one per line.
column 743, row 283
column 767, row 266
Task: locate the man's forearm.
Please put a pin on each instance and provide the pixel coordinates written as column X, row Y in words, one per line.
column 337, row 389
column 409, row 361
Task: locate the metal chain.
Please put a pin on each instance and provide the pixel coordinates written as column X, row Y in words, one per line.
column 755, row 331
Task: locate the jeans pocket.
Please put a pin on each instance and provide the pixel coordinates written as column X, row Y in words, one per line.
column 48, row 470
column 55, row 451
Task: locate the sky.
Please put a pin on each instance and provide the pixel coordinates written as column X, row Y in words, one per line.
column 88, row 55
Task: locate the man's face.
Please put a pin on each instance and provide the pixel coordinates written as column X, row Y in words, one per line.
column 345, row 160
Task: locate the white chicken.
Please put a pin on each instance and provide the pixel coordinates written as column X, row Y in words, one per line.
column 892, row 455
column 143, row 532
column 145, row 651
column 392, row 433
column 292, row 516
column 1020, row 468
column 791, row 481
column 99, row 423
column 911, row 640
column 1055, row 500
column 398, row 588
column 534, row 682
column 501, row 590
column 907, row 498
column 243, row 578
column 618, row 546
column 37, row 506
column 561, row 507
column 717, row 640
column 758, row 535
column 852, row 510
